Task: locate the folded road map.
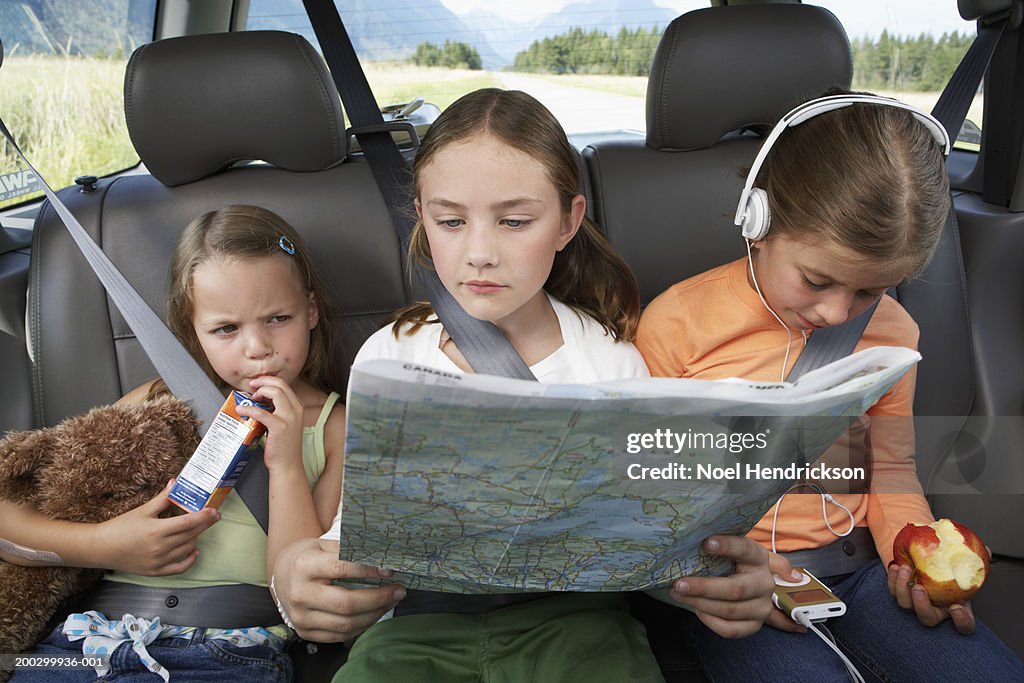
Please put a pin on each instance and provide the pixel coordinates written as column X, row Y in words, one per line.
column 477, row 484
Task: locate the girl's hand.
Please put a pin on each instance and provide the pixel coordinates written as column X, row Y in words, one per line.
column 782, row 568
column 140, row 541
column 732, row 606
column 318, row 609
column 284, row 425
column 913, row 596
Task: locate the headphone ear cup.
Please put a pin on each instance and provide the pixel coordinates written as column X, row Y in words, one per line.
column 757, row 216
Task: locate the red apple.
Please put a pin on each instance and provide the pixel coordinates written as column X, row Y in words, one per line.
column 948, row 559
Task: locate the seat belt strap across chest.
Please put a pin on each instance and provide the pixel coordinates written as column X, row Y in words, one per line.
column 830, row 344
column 227, row 606
column 184, row 377
column 178, row 369
column 482, row 344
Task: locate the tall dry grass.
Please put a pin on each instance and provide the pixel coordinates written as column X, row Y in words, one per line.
column 66, row 114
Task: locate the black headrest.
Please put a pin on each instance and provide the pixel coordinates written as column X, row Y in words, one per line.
column 971, row 10
column 720, row 69
column 199, row 103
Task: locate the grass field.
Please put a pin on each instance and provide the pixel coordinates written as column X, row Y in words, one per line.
column 927, row 100
column 66, row 114
column 636, row 86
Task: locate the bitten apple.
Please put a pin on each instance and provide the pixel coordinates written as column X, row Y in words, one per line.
column 949, row 559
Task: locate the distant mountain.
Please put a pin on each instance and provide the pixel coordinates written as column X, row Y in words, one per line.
column 607, row 16
column 381, row 30
column 506, row 37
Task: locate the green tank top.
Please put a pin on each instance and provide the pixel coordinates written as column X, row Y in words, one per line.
column 234, row 550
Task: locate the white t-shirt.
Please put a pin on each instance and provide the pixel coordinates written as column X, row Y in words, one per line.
column 587, row 354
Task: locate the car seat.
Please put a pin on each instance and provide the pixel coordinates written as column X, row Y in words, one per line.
column 720, row 76
column 667, row 203
column 199, row 110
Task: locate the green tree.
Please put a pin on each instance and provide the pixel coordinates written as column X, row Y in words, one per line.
column 460, row 56
column 452, row 55
column 426, row 54
column 630, row 52
column 922, row 63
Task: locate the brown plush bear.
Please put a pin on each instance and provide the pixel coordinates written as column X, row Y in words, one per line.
column 89, row 468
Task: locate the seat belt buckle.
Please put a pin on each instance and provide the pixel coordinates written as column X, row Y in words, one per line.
column 386, row 127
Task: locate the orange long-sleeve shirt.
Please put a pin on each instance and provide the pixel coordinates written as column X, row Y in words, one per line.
column 714, row 326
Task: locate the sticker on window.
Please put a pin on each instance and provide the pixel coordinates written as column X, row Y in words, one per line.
column 18, row 183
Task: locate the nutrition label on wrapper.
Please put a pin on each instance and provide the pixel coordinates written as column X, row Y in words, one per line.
column 215, row 452
column 211, row 472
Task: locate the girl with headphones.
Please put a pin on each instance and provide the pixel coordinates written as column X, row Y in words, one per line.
column 854, row 190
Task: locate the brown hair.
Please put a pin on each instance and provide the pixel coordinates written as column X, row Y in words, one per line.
column 588, row 274
column 248, row 232
column 870, row 178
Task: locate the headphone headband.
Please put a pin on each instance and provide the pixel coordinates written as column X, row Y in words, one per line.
column 752, row 211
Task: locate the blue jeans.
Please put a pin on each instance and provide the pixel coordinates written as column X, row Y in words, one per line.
column 192, row 659
column 884, row 642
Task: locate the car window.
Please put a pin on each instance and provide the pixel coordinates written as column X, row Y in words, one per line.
column 908, row 49
column 588, row 60
column 61, row 88
column 585, row 60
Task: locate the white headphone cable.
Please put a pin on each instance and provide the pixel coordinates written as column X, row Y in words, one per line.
column 851, row 670
column 825, row 497
column 802, row 618
column 789, row 343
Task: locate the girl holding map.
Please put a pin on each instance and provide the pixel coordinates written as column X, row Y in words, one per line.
column 502, row 222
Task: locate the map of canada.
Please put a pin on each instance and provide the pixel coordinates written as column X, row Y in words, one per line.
column 470, row 484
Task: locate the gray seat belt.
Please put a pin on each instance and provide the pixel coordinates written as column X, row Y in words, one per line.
column 235, row 605
column 847, row 554
column 851, row 552
column 482, row 344
column 951, row 109
column 830, row 344
column 172, row 361
column 179, row 370
column 183, row 375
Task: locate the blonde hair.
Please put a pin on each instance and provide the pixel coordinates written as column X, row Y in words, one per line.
column 248, row 232
column 868, row 177
column 588, row 274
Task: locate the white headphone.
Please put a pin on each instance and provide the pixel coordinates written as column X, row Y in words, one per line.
column 752, row 213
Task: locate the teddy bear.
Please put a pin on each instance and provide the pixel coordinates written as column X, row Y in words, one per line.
column 88, row 468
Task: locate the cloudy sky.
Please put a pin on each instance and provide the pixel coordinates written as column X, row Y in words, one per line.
column 860, row 17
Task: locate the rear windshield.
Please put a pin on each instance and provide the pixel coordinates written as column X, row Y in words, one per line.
column 588, row 60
